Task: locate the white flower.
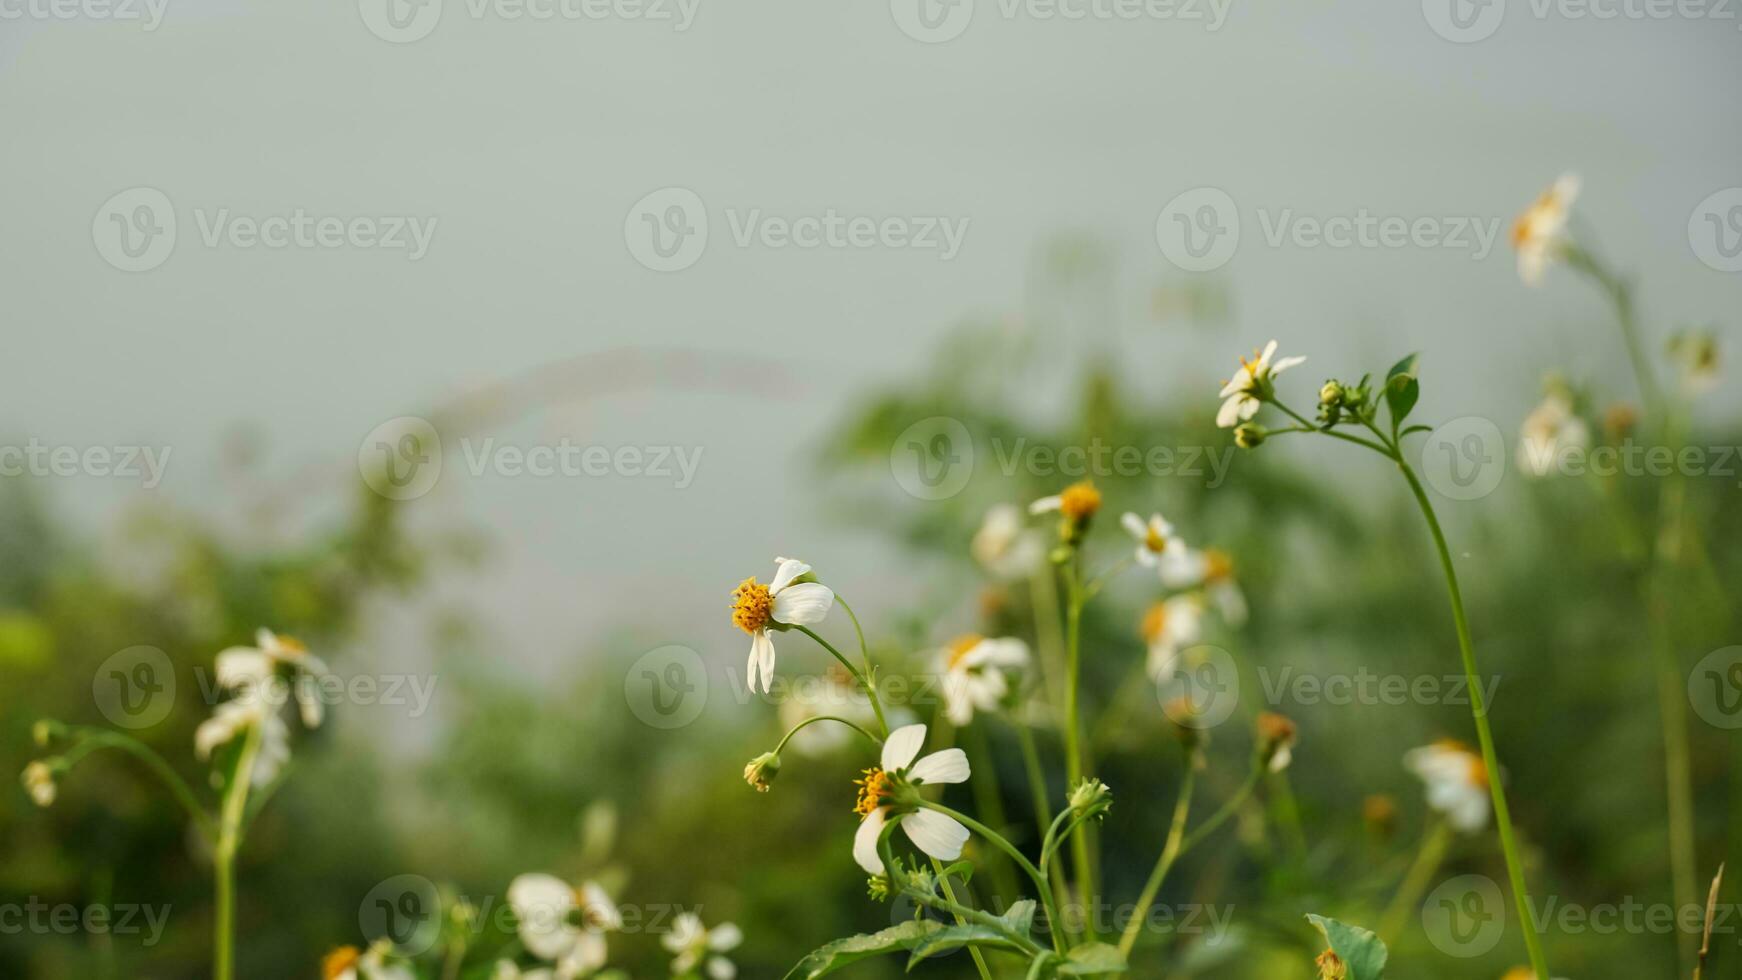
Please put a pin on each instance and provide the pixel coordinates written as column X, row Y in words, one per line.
column 38, row 779
column 1539, row 233
column 545, row 905
column 251, row 670
column 1550, row 430
column 693, row 944
column 348, row 963
column 934, row 833
column 784, row 601
column 1241, row 393
column 831, row 693
column 1168, row 627
column 1158, row 547
column 973, row 669
column 1005, row 546
column 234, row 718
column 1457, row 782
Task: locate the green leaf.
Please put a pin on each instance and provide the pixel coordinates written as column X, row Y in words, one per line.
column 1401, row 389
column 1360, row 950
column 845, row 952
column 1020, row 916
column 1092, row 958
column 954, row 937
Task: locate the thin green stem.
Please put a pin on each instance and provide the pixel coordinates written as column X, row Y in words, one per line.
column 950, row 894
column 813, row 719
column 997, row 840
column 989, row 796
column 863, row 678
column 224, row 855
column 1042, row 812
column 91, row 739
column 1333, row 433
column 1080, row 859
column 1228, row 809
column 1169, row 853
column 1415, row 881
column 1484, row 736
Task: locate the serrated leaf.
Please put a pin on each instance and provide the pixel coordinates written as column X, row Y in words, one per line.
column 845, row 952
column 1360, row 950
column 955, row 937
column 1092, row 958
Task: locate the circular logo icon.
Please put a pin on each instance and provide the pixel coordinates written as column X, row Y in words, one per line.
column 667, row 230
column 135, row 230
column 404, row 909
column 933, row 459
column 1199, row 687
column 1464, row 21
column 1199, row 229
column 1464, row 916
column 667, row 687
column 1715, row 688
column 932, row 21
column 400, row 21
column 1464, row 459
column 401, row 459
column 135, row 688
column 1715, row 230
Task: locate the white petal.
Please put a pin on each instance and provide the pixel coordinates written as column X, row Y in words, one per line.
column 865, row 842
column 239, row 666
column 1134, row 526
column 938, row 835
column 1009, row 653
column 1229, row 415
column 542, row 903
column 803, row 604
column 1046, row 504
column 1285, row 364
column 724, row 936
column 584, row 959
column 1241, row 380
column 721, row 968
column 600, row 910
column 785, row 572
column 947, row 766
column 761, row 660
column 685, row 927
column 309, row 703
column 902, row 745
column 1269, row 352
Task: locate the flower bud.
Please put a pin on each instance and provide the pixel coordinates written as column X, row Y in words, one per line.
column 38, row 780
column 1276, row 738
column 1331, row 966
column 1091, row 798
column 760, row 771
column 1331, row 394
column 1248, row 435
column 46, row 731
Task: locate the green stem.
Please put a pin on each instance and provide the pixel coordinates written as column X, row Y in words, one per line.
column 950, row 895
column 864, row 679
column 997, row 840
column 91, row 739
column 1227, row 810
column 813, row 719
column 1042, row 812
column 224, row 855
column 1073, row 736
column 989, row 797
column 1415, row 882
column 1169, row 853
column 1479, row 711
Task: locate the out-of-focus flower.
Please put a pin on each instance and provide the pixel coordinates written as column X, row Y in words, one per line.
column 834, row 692
column 1539, row 234
column 1005, row 546
column 1522, row 973
column 1276, row 737
column 561, row 924
column 1076, row 506
column 694, row 945
column 378, row 963
column 232, row 719
column 792, row 598
column 974, row 670
column 1379, row 813
column 250, row 670
column 1250, row 386
column 38, row 780
column 1158, row 547
column 1551, row 429
column 1696, row 354
column 1457, row 782
column 888, row 792
column 1168, row 626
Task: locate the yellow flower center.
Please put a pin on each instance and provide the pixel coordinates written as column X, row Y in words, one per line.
column 1154, row 622
column 752, row 606
column 291, row 644
column 1080, row 501
column 874, row 788
column 1218, row 565
column 1477, row 771
column 339, row 960
column 962, row 646
column 1153, row 540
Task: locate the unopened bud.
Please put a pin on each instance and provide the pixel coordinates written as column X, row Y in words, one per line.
column 1091, row 798
column 1331, row 394
column 760, row 771
column 1249, row 436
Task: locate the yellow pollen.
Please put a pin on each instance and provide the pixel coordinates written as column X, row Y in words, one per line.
column 962, row 646
column 1218, row 565
column 874, row 788
column 1153, row 541
column 1080, row 501
column 752, row 606
column 339, row 960
column 1154, row 621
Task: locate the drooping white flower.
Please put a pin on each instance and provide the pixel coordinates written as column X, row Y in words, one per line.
column 934, row 833
column 253, row 670
column 1539, row 233
column 789, row 599
column 1005, row 546
column 561, row 924
column 1241, row 394
column 1551, row 430
column 973, row 669
column 1168, row 627
column 1457, row 782
column 233, row 719
column 693, row 944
